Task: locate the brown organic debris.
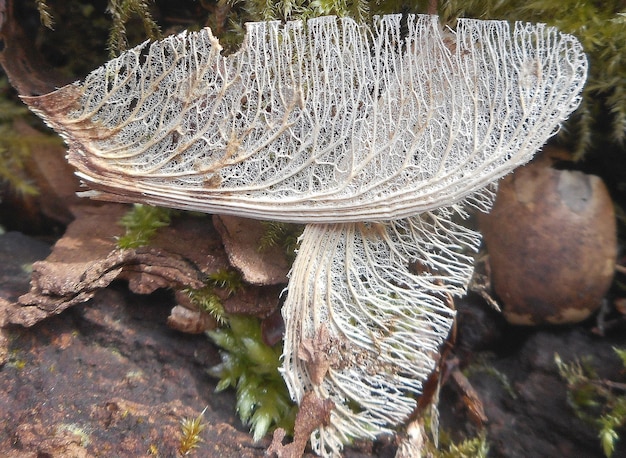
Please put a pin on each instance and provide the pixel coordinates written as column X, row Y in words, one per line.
column 50, row 174
column 314, row 412
column 242, row 239
column 190, row 321
column 20, row 59
column 318, row 354
column 86, row 259
column 471, row 399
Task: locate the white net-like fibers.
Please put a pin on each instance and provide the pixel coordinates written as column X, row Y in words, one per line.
column 374, row 137
column 372, row 301
column 326, row 121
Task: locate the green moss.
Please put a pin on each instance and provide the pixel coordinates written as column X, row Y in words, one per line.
column 474, row 447
column 191, row 428
column 227, row 279
column 438, row 442
column 122, row 11
column 141, row 224
column 599, row 402
column 207, row 301
column 15, row 360
column 44, row 13
column 281, row 234
column 251, row 368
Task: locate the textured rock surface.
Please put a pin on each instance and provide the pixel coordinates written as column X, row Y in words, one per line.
column 108, row 377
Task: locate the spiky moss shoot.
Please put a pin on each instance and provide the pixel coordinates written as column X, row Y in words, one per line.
column 281, row 234
column 474, row 447
column 44, row 14
column 248, row 364
column 251, row 367
column 595, row 400
column 141, row 224
column 190, row 433
column 227, row 279
column 438, row 442
column 207, row 301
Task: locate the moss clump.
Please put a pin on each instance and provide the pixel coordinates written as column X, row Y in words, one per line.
column 227, row 279
column 141, row 224
column 251, row 368
column 281, row 234
column 208, row 301
column 474, row 447
column 248, row 365
column 599, row 402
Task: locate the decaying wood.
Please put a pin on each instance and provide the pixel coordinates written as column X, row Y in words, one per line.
column 22, row 63
column 314, row 412
column 86, row 259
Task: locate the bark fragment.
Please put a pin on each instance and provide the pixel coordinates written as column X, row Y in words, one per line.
column 86, row 259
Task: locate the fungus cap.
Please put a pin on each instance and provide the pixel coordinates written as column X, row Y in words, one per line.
column 323, row 121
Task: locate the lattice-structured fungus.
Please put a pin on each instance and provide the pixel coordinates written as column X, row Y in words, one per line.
column 375, row 137
column 328, row 121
